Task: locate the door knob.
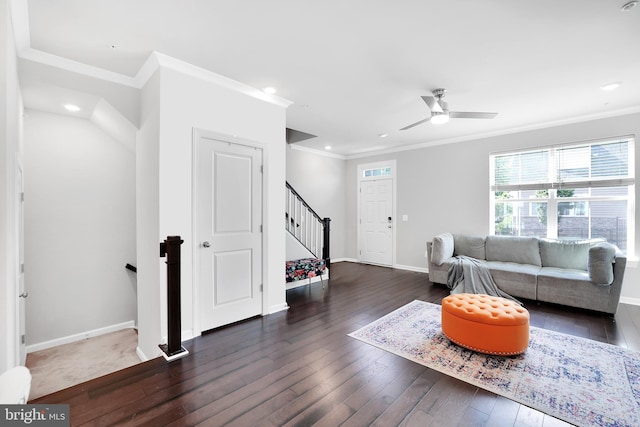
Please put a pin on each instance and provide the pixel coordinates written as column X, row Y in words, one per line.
column 24, row 294
column 206, row 244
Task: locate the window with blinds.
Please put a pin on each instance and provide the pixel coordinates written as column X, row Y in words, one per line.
column 571, row 192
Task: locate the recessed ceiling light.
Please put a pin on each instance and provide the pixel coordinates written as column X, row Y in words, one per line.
column 610, row 86
column 327, row 147
column 628, row 6
column 72, row 107
column 383, row 135
column 270, row 90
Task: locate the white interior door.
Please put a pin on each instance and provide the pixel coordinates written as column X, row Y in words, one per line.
column 376, row 225
column 229, row 227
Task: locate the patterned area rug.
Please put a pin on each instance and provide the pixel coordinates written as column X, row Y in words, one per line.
column 584, row 382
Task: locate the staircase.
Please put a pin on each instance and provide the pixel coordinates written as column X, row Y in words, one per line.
column 312, row 232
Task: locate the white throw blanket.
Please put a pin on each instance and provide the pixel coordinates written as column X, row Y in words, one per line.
column 471, row 276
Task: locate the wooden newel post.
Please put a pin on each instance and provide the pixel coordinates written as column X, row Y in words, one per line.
column 326, row 228
column 171, row 249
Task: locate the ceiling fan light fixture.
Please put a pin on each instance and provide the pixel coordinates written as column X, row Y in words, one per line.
column 439, row 118
column 610, row 86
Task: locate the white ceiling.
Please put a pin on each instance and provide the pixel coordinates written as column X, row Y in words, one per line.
column 355, row 69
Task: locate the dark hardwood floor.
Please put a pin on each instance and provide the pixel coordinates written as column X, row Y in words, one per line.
column 299, row 367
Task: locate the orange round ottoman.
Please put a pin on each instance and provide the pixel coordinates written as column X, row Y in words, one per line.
column 486, row 324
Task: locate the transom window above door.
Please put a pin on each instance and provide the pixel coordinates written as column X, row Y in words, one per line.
column 374, row 172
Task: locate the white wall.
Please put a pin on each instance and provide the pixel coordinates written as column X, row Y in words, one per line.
column 79, row 228
column 10, row 154
column 147, row 220
column 446, row 187
column 188, row 101
column 320, row 180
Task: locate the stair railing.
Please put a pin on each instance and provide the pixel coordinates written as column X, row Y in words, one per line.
column 312, row 231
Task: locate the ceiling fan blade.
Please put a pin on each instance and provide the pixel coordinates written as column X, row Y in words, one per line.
column 468, row 115
column 416, row 123
column 432, row 103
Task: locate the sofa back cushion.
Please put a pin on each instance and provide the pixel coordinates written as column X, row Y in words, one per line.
column 442, row 248
column 560, row 254
column 471, row 246
column 522, row 250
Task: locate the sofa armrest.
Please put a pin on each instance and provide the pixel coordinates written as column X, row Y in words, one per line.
column 615, row 289
column 601, row 259
column 442, row 248
column 437, row 273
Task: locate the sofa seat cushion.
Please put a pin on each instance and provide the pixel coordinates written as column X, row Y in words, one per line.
column 573, row 288
column 521, row 250
column 518, row 280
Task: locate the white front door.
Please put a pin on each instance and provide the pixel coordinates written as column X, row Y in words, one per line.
column 376, row 222
column 229, row 228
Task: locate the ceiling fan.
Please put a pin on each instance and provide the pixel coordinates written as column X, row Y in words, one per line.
column 440, row 111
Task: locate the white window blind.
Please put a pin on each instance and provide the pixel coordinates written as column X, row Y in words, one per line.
column 603, row 163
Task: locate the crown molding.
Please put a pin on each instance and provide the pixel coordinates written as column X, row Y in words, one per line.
column 543, row 125
column 317, row 152
column 155, row 61
column 19, row 12
column 76, row 67
column 159, row 60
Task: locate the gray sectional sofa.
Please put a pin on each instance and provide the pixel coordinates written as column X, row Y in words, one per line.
column 584, row 274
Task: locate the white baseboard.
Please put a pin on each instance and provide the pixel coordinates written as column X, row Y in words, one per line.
column 79, row 337
column 278, row 307
column 143, row 357
column 630, row 301
column 411, row 268
column 343, row 260
column 398, row 266
column 187, row 334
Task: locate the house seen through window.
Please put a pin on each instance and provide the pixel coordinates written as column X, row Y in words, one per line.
column 569, row 192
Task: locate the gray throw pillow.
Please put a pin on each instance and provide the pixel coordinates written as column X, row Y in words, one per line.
column 564, row 254
column 442, row 248
column 601, row 259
